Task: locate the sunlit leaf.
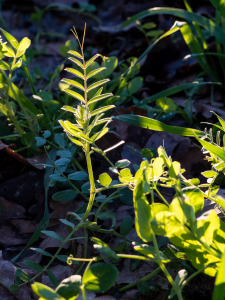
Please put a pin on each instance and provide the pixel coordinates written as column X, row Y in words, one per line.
column 75, row 53
column 73, row 83
column 74, row 94
column 94, row 72
column 96, row 84
column 105, row 179
column 75, row 72
column 77, row 62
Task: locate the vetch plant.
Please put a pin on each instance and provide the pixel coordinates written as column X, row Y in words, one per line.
column 98, row 277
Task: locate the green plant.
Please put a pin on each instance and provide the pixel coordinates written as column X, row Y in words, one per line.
column 196, row 240
column 84, row 135
column 29, row 122
column 147, row 30
column 196, row 37
column 189, row 237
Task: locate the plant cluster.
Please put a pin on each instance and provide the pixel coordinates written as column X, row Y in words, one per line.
column 194, row 240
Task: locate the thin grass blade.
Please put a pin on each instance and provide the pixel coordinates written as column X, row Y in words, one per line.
column 152, row 124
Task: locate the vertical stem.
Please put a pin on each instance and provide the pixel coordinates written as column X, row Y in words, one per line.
column 92, row 183
column 164, row 269
column 83, row 292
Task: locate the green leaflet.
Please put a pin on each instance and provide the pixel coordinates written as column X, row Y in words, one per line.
column 100, row 97
column 96, row 84
column 94, row 72
column 99, row 277
column 74, row 95
column 77, row 62
column 91, row 60
column 69, row 108
column 102, row 109
column 152, row 124
column 75, row 72
column 75, row 141
column 73, row 83
column 142, row 212
column 75, row 53
column 99, row 134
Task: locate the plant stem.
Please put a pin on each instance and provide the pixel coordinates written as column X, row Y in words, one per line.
column 161, row 196
column 164, row 269
column 83, row 292
column 92, row 182
column 143, row 279
column 134, row 257
column 196, row 273
column 112, row 187
column 53, row 258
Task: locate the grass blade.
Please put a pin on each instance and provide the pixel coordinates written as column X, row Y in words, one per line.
column 206, row 23
column 157, row 125
column 216, row 150
column 173, row 90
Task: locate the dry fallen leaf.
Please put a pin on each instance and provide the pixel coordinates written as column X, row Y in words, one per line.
column 39, row 159
column 175, row 145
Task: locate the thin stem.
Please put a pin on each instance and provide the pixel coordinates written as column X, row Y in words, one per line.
column 134, row 257
column 195, row 274
column 112, row 187
column 161, row 196
column 92, row 182
column 164, row 269
column 83, row 292
column 54, row 257
column 143, row 279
